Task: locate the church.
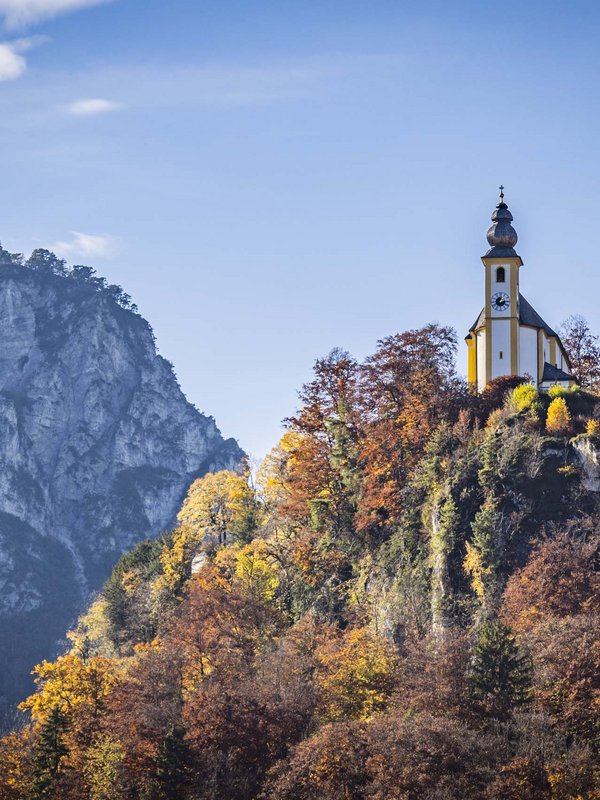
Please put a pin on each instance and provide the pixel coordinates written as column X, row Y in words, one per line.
column 509, row 337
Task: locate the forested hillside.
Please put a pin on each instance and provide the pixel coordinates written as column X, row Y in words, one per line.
column 402, row 604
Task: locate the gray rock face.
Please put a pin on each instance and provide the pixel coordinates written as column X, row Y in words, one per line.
column 97, row 448
column 588, row 453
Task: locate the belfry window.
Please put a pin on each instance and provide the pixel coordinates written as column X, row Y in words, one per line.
column 500, row 275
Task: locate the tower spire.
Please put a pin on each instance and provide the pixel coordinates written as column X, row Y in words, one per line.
column 501, row 236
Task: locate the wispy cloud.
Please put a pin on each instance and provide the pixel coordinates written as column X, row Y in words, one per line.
column 20, row 13
column 12, row 62
column 85, row 245
column 91, row 106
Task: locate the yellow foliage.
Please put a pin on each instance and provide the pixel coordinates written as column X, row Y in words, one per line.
column 523, row 396
column 221, row 504
column 473, row 566
column 68, row 683
column 93, row 630
column 592, row 427
column 559, row 418
column 176, row 557
column 252, row 568
column 14, row 774
column 102, row 768
column 273, row 475
column 356, row 675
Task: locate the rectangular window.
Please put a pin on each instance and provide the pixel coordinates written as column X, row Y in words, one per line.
column 501, row 354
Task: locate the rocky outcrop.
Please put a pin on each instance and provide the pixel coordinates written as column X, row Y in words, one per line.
column 97, row 447
column 587, row 451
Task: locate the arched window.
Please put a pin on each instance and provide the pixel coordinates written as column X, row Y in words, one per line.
column 500, row 275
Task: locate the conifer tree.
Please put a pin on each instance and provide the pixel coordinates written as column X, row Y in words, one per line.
column 501, row 674
column 171, row 764
column 49, row 753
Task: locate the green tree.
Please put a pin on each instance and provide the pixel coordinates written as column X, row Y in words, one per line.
column 171, row 764
column 482, row 558
column 500, row 674
column 46, row 262
column 50, row 751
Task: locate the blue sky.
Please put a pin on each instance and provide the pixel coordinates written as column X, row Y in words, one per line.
column 272, row 179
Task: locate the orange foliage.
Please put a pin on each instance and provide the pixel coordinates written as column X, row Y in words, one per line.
column 561, row 578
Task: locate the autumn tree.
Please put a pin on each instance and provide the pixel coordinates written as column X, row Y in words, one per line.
column 234, row 737
column 566, row 659
column 330, row 765
column 219, row 628
column 561, row 578
column 220, row 505
column 323, row 473
column 583, row 349
column 426, row 757
column 559, row 419
column 407, row 387
column 144, row 709
column 433, row 677
column 103, row 769
column 356, row 675
column 16, row 763
column 495, row 393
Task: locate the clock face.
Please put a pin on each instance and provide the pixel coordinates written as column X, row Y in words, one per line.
column 500, row 301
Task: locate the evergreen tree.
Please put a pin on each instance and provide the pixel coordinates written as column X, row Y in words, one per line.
column 46, row 262
column 49, row 753
column 501, row 675
column 171, row 764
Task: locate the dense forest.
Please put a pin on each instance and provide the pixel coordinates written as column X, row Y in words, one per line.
column 402, row 603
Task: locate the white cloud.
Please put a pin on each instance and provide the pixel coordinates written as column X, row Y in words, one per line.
column 85, row 245
column 19, row 13
column 12, row 63
column 81, row 108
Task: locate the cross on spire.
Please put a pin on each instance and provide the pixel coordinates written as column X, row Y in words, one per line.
column 501, row 193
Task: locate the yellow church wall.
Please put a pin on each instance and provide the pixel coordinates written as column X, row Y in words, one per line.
column 472, row 360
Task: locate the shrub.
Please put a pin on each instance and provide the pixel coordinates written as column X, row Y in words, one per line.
column 592, row 427
column 558, row 419
column 557, row 391
column 523, row 396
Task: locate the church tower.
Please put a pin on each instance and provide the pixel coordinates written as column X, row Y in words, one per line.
column 509, row 337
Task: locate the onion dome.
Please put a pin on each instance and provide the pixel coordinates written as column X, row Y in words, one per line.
column 501, row 236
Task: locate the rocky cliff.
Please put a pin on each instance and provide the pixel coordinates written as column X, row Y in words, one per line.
column 97, row 447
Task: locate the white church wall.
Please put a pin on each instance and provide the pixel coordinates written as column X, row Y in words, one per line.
column 501, row 287
column 500, row 347
column 528, row 338
column 481, row 360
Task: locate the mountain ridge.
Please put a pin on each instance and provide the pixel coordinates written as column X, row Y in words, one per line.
column 98, row 445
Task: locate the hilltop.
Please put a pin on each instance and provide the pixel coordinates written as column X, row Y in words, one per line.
column 402, row 604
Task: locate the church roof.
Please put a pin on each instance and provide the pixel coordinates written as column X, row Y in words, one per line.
column 552, row 374
column 527, row 316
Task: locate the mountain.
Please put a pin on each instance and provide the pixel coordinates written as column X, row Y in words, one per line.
column 98, row 445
